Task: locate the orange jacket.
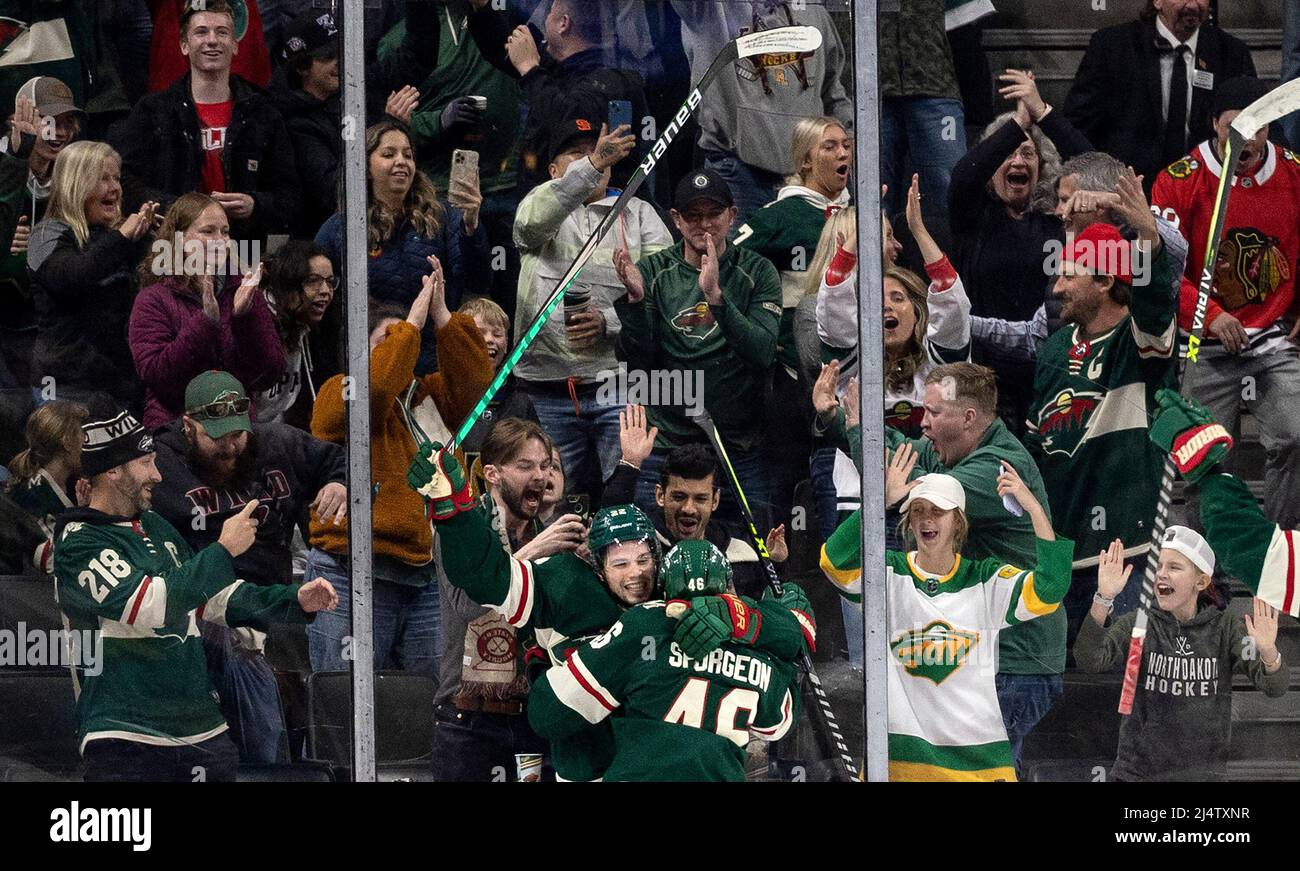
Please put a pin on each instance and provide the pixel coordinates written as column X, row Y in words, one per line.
column 401, row 529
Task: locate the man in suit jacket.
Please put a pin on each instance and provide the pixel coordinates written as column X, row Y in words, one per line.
column 1126, row 82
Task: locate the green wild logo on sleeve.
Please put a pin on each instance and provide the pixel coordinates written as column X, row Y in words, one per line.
column 934, row 652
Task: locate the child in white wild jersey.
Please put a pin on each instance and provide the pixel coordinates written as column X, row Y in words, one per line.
column 943, row 618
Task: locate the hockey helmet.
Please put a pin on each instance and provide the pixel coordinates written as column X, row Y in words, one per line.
column 620, row 524
column 695, row 568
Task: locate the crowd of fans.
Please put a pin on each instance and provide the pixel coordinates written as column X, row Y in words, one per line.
column 178, row 258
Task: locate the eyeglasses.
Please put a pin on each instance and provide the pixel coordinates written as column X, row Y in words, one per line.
column 319, row 280
column 220, row 408
column 703, row 217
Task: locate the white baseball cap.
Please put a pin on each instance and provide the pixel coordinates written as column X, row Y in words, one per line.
column 1190, row 544
column 943, row 491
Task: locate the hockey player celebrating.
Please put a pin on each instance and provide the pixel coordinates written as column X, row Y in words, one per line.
column 122, row 571
column 684, row 717
column 944, row 614
column 564, row 599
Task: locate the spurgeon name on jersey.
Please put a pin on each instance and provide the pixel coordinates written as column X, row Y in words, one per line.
column 725, row 663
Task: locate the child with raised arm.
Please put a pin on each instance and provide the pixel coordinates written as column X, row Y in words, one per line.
column 944, row 615
column 1181, row 723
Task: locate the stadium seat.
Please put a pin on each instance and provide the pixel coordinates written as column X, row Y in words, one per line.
column 39, row 722
column 403, row 718
column 1082, row 725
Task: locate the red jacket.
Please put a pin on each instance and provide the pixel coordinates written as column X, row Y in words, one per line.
column 172, row 341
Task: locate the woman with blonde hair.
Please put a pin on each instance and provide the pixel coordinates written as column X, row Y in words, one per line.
column 945, row 612
column 81, row 260
column 785, row 231
column 206, row 317
column 407, row 223
column 924, row 326
column 43, row 476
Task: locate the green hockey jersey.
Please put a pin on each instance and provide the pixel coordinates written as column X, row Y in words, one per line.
column 674, row 331
column 944, row 718
column 136, row 583
column 1247, row 545
column 682, row 719
column 1088, row 421
column 562, row 599
column 786, row 231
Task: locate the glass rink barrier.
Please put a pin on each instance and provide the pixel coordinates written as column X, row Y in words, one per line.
column 474, row 391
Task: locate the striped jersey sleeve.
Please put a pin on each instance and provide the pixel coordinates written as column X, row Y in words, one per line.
column 1247, row 544
column 841, row 558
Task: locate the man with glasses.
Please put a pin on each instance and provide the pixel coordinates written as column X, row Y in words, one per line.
column 213, row 462
column 701, row 314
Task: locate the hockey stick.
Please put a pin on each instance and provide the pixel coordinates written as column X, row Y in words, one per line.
column 781, row 40
column 823, row 717
column 1267, row 109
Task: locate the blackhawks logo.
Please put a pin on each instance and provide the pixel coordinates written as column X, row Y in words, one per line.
column 1063, row 421
column 1183, row 167
column 695, row 322
column 934, row 652
column 1249, row 267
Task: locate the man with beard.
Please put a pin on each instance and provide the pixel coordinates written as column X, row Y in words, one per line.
column 478, row 711
column 1142, row 91
column 1249, row 356
column 1096, row 382
column 126, row 574
column 686, row 497
column 214, row 462
column 562, row 599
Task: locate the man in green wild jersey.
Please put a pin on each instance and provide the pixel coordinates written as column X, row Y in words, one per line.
column 149, row 713
column 684, row 717
column 564, row 600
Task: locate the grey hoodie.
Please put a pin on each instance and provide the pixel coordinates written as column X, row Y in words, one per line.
column 751, row 109
column 1181, row 724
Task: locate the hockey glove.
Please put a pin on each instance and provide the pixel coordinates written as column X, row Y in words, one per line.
column 536, row 663
column 437, row 476
column 794, row 598
column 712, row 620
column 1187, row 431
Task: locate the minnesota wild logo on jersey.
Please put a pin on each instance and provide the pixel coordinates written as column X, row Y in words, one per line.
column 696, row 322
column 1063, row 422
column 935, row 651
column 905, row 416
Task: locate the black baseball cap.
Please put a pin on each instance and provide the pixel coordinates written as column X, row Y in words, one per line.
column 1236, row 93
column 311, row 33
column 702, row 184
column 569, row 130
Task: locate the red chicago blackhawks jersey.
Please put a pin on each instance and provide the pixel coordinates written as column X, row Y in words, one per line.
column 1254, row 273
